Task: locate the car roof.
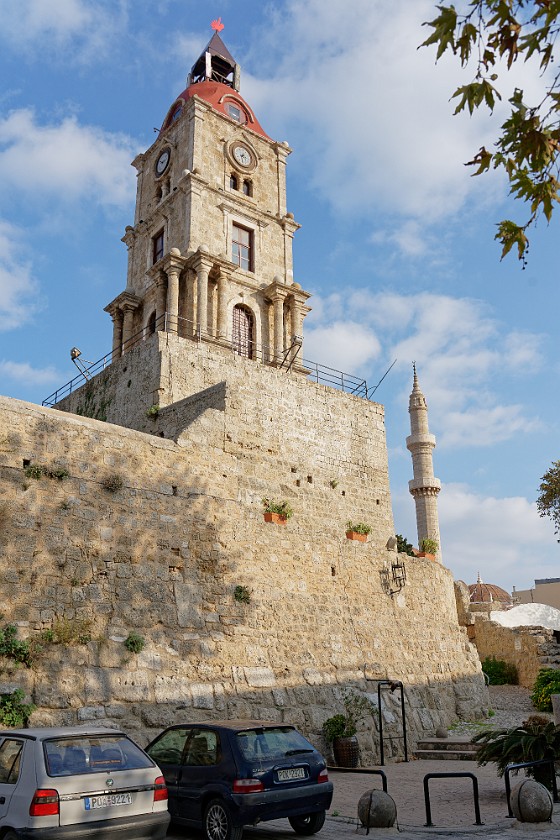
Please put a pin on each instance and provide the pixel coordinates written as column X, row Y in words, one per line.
column 237, row 724
column 42, row 733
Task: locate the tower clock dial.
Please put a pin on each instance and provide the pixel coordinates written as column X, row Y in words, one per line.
column 163, row 161
column 242, row 155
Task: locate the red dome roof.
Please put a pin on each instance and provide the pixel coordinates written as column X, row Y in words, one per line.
column 488, row 593
column 219, row 96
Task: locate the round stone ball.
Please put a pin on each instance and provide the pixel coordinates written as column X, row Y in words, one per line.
column 442, row 732
column 531, row 802
column 376, row 809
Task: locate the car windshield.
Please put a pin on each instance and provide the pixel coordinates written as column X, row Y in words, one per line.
column 93, row 754
column 272, row 742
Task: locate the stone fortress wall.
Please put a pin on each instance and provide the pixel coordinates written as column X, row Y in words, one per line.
column 162, row 554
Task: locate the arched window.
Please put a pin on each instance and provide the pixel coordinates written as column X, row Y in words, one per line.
column 152, row 324
column 247, row 187
column 243, row 330
column 233, row 183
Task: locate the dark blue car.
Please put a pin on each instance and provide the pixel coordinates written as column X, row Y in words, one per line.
column 222, row 775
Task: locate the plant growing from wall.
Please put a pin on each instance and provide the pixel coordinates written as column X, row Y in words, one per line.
column 499, row 672
column 281, row 508
column 65, row 631
column 152, row 412
column 37, row 471
column 242, row 594
column 12, row 648
column 546, row 684
column 13, row 711
column 536, row 739
column 358, row 527
column 113, row 483
column 135, row 643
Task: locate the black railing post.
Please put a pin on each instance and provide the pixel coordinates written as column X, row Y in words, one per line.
column 427, row 804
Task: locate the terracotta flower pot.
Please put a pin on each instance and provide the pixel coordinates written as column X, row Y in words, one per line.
column 426, row 555
column 275, row 517
column 346, row 751
column 354, row 535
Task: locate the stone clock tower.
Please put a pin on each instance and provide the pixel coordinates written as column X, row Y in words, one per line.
column 210, row 252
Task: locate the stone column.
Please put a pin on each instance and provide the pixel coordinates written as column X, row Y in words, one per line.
column 172, row 321
column 202, row 266
column 222, row 304
column 278, row 304
column 127, row 326
column 161, row 302
column 117, row 318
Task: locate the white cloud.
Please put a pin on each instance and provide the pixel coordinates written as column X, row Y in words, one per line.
column 370, row 113
column 343, row 345
column 84, row 28
column 504, row 539
column 65, row 161
column 18, row 288
column 460, row 349
column 24, row 374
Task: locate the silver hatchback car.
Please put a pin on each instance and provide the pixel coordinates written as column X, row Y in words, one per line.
column 80, row 783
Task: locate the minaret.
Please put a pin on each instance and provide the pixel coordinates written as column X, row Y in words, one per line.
column 424, row 487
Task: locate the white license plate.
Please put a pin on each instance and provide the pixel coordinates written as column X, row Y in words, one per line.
column 291, row 773
column 107, row 800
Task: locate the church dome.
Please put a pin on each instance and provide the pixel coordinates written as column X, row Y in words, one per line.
column 488, row 593
column 223, row 98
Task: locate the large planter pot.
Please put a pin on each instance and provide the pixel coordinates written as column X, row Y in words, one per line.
column 346, row 751
column 354, row 535
column 275, row 517
column 426, row 555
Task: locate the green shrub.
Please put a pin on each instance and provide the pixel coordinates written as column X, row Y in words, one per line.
column 343, row 726
column 499, row 672
column 13, row 711
column 547, row 683
column 37, row 471
column 429, row 546
column 403, row 546
column 12, row 648
column 135, row 643
column 537, row 738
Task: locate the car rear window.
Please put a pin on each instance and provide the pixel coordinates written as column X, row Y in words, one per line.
column 274, row 742
column 93, row 754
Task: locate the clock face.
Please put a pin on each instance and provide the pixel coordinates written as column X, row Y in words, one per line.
column 162, row 161
column 241, row 155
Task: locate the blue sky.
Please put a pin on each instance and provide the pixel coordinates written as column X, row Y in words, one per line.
column 396, row 242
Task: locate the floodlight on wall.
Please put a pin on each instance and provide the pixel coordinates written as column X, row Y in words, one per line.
column 75, row 355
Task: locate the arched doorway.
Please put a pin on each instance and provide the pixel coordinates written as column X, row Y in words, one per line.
column 243, row 331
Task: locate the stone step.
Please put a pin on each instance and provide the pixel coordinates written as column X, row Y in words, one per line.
column 460, row 744
column 451, row 749
column 446, row 755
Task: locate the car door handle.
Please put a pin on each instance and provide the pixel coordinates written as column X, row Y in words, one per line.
column 2, row 800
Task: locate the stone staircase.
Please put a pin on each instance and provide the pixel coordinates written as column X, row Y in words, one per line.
column 450, row 749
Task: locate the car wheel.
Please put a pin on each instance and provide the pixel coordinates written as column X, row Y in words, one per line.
column 308, row 823
column 218, row 824
column 10, row 836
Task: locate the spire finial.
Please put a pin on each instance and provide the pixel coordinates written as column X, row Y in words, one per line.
column 217, row 25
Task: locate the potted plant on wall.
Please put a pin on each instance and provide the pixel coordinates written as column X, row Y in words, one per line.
column 357, row 531
column 428, row 549
column 278, row 512
column 340, row 730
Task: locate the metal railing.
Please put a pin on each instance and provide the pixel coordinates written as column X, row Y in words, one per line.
column 392, row 685
column 265, row 354
column 429, row 776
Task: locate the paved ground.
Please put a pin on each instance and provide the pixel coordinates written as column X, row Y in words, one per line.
column 451, row 800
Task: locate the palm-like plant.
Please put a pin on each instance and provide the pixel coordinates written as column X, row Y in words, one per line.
column 536, row 739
